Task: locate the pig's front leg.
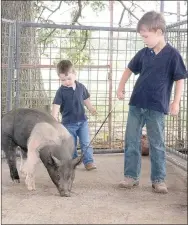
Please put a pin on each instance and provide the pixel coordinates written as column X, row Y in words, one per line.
column 30, row 182
column 29, row 168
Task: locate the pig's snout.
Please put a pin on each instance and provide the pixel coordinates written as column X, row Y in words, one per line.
column 64, row 194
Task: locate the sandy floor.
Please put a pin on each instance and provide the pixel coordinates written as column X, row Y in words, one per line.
column 96, row 198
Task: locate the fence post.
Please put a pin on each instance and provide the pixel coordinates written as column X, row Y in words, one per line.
column 110, row 77
column 10, row 68
column 162, row 6
column 180, row 133
column 17, row 65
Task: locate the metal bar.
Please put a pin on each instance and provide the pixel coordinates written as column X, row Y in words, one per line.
column 183, row 22
column 17, row 65
column 110, row 76
column 50, row 74
column 74, row 27
column 31, row 66
column 96, row 28
column 7, row 21
column 186, row 141
column 186, row 145
column 97, row 83
column 179, row 154
column 181, row 30
column 10, row 68
column 162, row 6
column 176, row 163
column 178, row 47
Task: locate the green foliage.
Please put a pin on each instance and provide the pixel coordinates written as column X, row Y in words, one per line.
column 75, row 44
column 97, row 6
column 75, row 47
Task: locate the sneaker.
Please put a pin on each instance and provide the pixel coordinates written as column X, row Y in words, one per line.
column 90, row 166
column 128, row 183
column 160, row 188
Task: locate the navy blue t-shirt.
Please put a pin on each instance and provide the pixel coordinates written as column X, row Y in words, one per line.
column 157, row 73
column 72, row 103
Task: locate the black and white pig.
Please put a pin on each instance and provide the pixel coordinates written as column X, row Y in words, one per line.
column 42, row 137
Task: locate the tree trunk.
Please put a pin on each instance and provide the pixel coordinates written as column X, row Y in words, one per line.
column 31, row 88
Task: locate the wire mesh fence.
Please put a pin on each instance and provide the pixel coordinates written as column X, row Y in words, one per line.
column 100, row 55
column 7, row 72
column 177, row 127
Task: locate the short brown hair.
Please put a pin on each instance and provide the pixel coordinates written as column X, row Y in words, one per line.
column 64, row 66
column 153, row 21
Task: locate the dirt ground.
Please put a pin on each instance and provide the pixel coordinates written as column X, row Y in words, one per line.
column 96, row 198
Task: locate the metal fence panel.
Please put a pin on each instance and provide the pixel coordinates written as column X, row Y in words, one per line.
column 7, row 68
column 177, row 127
column 100, row 55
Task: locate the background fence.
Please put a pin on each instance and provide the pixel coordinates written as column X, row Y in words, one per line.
column 30, row 52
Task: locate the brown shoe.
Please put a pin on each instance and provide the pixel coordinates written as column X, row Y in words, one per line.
column 90, row 166
column 160, row 188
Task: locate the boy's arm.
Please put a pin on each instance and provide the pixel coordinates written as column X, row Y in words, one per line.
column 89, row 106
column 57, row 103
column 179, row 74
column 121, row 88
column 55, row 111
column 134, row 66
column 87, row 102
column 174, row 107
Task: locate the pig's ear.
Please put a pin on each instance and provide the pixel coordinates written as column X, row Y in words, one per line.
column 77, row 161
column 54, row 161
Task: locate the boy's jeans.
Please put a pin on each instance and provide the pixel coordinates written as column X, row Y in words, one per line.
column 81, row 130
column 154, row 121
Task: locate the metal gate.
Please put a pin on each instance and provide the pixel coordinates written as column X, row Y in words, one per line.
column 100, row 55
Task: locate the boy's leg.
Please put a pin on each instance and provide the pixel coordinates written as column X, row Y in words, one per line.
column 132, row 152
column 84, row 138
column 72, row 128
column 155, row 131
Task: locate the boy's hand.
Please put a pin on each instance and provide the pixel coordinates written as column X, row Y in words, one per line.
column 93, row 111
column 89, row 106
column 174, row 109
column 121, row 94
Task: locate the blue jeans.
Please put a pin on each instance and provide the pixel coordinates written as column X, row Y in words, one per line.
column 81, row 130
column 154, row 121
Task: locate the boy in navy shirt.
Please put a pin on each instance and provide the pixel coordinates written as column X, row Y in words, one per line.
column 70, row 99
column 159, row 65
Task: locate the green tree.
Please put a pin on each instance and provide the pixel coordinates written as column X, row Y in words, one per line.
column 74, row 43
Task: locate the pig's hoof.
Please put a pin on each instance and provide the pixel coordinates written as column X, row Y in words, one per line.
column 14, row 175
column 16, row 181
column 30, row 183
column 31, row 188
